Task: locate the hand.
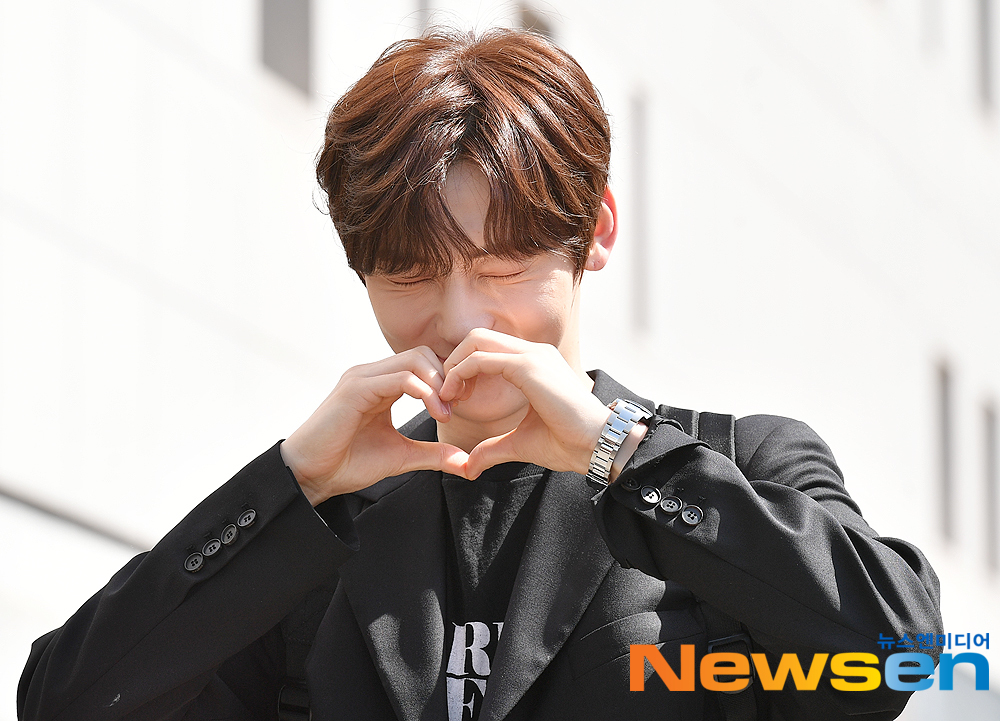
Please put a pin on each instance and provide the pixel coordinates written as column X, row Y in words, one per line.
column 349, row 442
column 564, row 419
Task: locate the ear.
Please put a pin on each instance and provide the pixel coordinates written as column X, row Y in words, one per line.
column 605, row 233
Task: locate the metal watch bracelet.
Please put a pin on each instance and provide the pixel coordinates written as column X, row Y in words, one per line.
column 624, row 416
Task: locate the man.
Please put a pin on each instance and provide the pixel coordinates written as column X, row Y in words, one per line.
column 467, row 179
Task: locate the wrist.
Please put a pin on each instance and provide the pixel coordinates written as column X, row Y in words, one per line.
column 629, row 446
column 294, row 462
column 618, row 430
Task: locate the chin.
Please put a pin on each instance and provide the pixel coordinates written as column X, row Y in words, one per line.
column 493, row 400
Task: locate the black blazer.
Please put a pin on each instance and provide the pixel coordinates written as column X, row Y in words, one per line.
column 781, row 547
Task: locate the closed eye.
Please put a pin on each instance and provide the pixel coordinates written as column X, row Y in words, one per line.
column 408, row 283
column 508, row 276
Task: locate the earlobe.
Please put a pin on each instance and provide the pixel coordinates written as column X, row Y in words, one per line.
column 605, row 233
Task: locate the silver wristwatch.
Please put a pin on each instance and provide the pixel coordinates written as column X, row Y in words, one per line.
column 624, row 416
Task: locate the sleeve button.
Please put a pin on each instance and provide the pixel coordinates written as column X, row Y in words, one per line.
column 229, row 534
column 194, row 562
column 671, row 504
column 212, row 547
column 246, row 518
column 650, row 495
column 692, row 515
column 630, row 484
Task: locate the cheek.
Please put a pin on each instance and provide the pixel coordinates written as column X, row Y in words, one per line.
column 547, row 312
column 400, row 319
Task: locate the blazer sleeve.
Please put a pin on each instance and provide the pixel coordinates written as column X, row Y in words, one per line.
column 166, row 640
column 779, row 545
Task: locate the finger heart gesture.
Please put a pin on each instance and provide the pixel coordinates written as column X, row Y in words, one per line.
column 349, row 442
column 562, row 421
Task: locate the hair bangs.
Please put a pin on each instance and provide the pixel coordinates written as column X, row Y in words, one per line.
column 510, row 102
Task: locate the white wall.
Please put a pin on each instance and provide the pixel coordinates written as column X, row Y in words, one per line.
column 822, row 185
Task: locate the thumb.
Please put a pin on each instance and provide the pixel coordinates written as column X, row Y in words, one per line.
column 434, row 456
column 492, row 452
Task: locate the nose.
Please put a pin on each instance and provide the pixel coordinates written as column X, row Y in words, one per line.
column 462, row 307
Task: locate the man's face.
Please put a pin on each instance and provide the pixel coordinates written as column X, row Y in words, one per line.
column 534, row 299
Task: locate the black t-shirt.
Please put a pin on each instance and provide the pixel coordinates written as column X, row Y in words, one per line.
column 488, row 524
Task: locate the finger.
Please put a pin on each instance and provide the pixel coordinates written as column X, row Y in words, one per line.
column 508, row 365
column 434, row 456
column 436, row 375
column 390, row 387
column 420, row 360
column 428, row 368
column 487, row 340
column 468, row 387
column 492, row 452
column 416, row 387
column 464, row 391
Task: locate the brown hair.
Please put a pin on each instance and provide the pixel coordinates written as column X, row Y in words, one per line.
column 510, row 102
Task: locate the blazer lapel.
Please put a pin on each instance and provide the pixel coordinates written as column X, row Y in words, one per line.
column 565, row 560
column 395, row 584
